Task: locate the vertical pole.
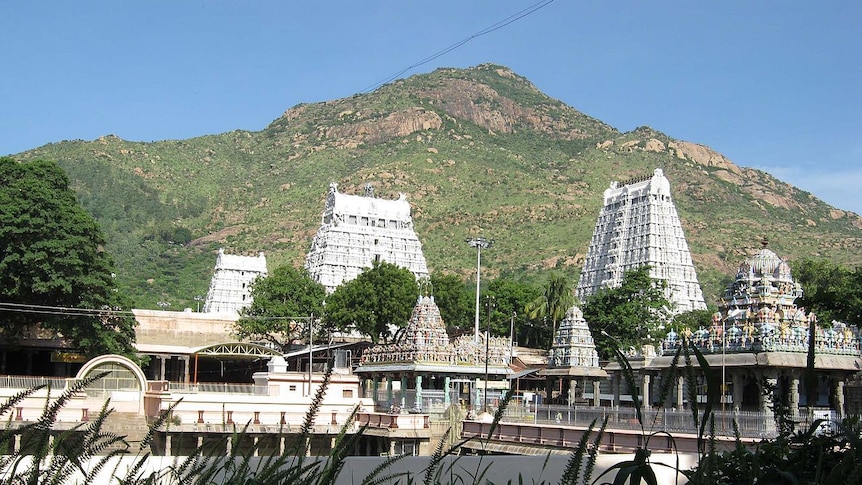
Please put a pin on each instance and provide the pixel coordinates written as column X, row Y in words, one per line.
column 478, row 270
column 310, row 353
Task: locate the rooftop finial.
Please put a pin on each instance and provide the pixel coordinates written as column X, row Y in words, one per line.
column 764, row 242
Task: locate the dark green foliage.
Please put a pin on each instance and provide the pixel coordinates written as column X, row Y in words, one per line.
column 281, row 300
column 830, row 290
column 381, row 296
column 510, row 299
column 556, row 299
column 453, row 300
column 51, row 254
column 630, row 313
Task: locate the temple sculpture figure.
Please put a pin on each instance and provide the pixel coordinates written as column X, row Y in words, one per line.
column 230, row 287
column 358, row 230
column 638, row 225
column 424, row 370
column 573, row 358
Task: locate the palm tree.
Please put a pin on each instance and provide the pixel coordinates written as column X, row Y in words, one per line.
column 554, row 302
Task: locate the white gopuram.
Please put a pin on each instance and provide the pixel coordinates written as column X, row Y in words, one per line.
column 357, row 230
column 638, row 225
column 230, row 287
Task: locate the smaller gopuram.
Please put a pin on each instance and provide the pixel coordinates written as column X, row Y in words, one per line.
column 357, row 230
column 424, row 371
column 230, row 287
column 573, row 361
column 760, row 339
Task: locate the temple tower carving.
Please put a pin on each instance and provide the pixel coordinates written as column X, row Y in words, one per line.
column 230, row 287
column 639, row 225
column 357, row 230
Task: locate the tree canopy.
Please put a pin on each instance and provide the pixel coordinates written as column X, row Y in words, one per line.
column 281, row 301
column 381, row 297
column 556, row 299
column 832, row 291
column 510, row 299
column 453, row 300
column 628, row 315
column 51, row 255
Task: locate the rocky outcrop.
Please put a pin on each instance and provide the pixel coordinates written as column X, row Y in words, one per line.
column 395, row 125
column 485, row 107
column 702, row 155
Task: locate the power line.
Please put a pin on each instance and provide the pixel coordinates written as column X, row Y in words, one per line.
column 487, row 30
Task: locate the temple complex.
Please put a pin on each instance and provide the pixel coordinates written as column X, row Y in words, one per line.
column 573, row 357
column 638, row 225
column 424, row 371
column 357, row 230
column 230, row 287
column 759, row 339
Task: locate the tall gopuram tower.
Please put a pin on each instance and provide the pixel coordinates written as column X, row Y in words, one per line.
column 357, row 230
column 230, row 287
column 639, row 225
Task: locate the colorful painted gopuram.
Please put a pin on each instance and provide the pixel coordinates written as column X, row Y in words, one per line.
column 759, row 339
column 424, row 370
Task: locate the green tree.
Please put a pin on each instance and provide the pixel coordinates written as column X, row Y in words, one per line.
column 453, row 299
column 380, row 298
column 831, row 291
column 694, row 319
column 510, row 298
column 628, row 315
column 281, row 302
column 51, row 256
column 556, row 299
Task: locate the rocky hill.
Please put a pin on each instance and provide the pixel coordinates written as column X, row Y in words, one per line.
column 476, row 151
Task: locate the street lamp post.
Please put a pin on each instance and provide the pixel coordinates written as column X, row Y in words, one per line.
column 479, row 243
column 490, row 300
column 163, row 305
column 198, row 299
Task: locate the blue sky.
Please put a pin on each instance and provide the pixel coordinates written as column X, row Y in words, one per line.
column 775, row 85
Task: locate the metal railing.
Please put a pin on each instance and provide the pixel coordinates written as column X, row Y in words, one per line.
column 29, row 382
column 750, row 424
column 219, row 388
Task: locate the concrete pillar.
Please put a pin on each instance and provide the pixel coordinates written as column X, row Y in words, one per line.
column 391, row 447
column 200, row 441
column 162, row 368
column 403, row 391
column 645, row 391
column 228, row 446
column 388, row 389
column 597, row 387
column 794, row 396
column 738, row 389
column 167, row 444
column 418, row 404
column 615, row 389
column 186, row 369
column 375, row 384
column 255, row 452
column 446, row 400
column 281, row 441
column 839, row 398
column 680, row 384
column 766, row 403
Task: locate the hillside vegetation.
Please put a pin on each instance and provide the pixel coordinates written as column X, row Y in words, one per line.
column 476, row 151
